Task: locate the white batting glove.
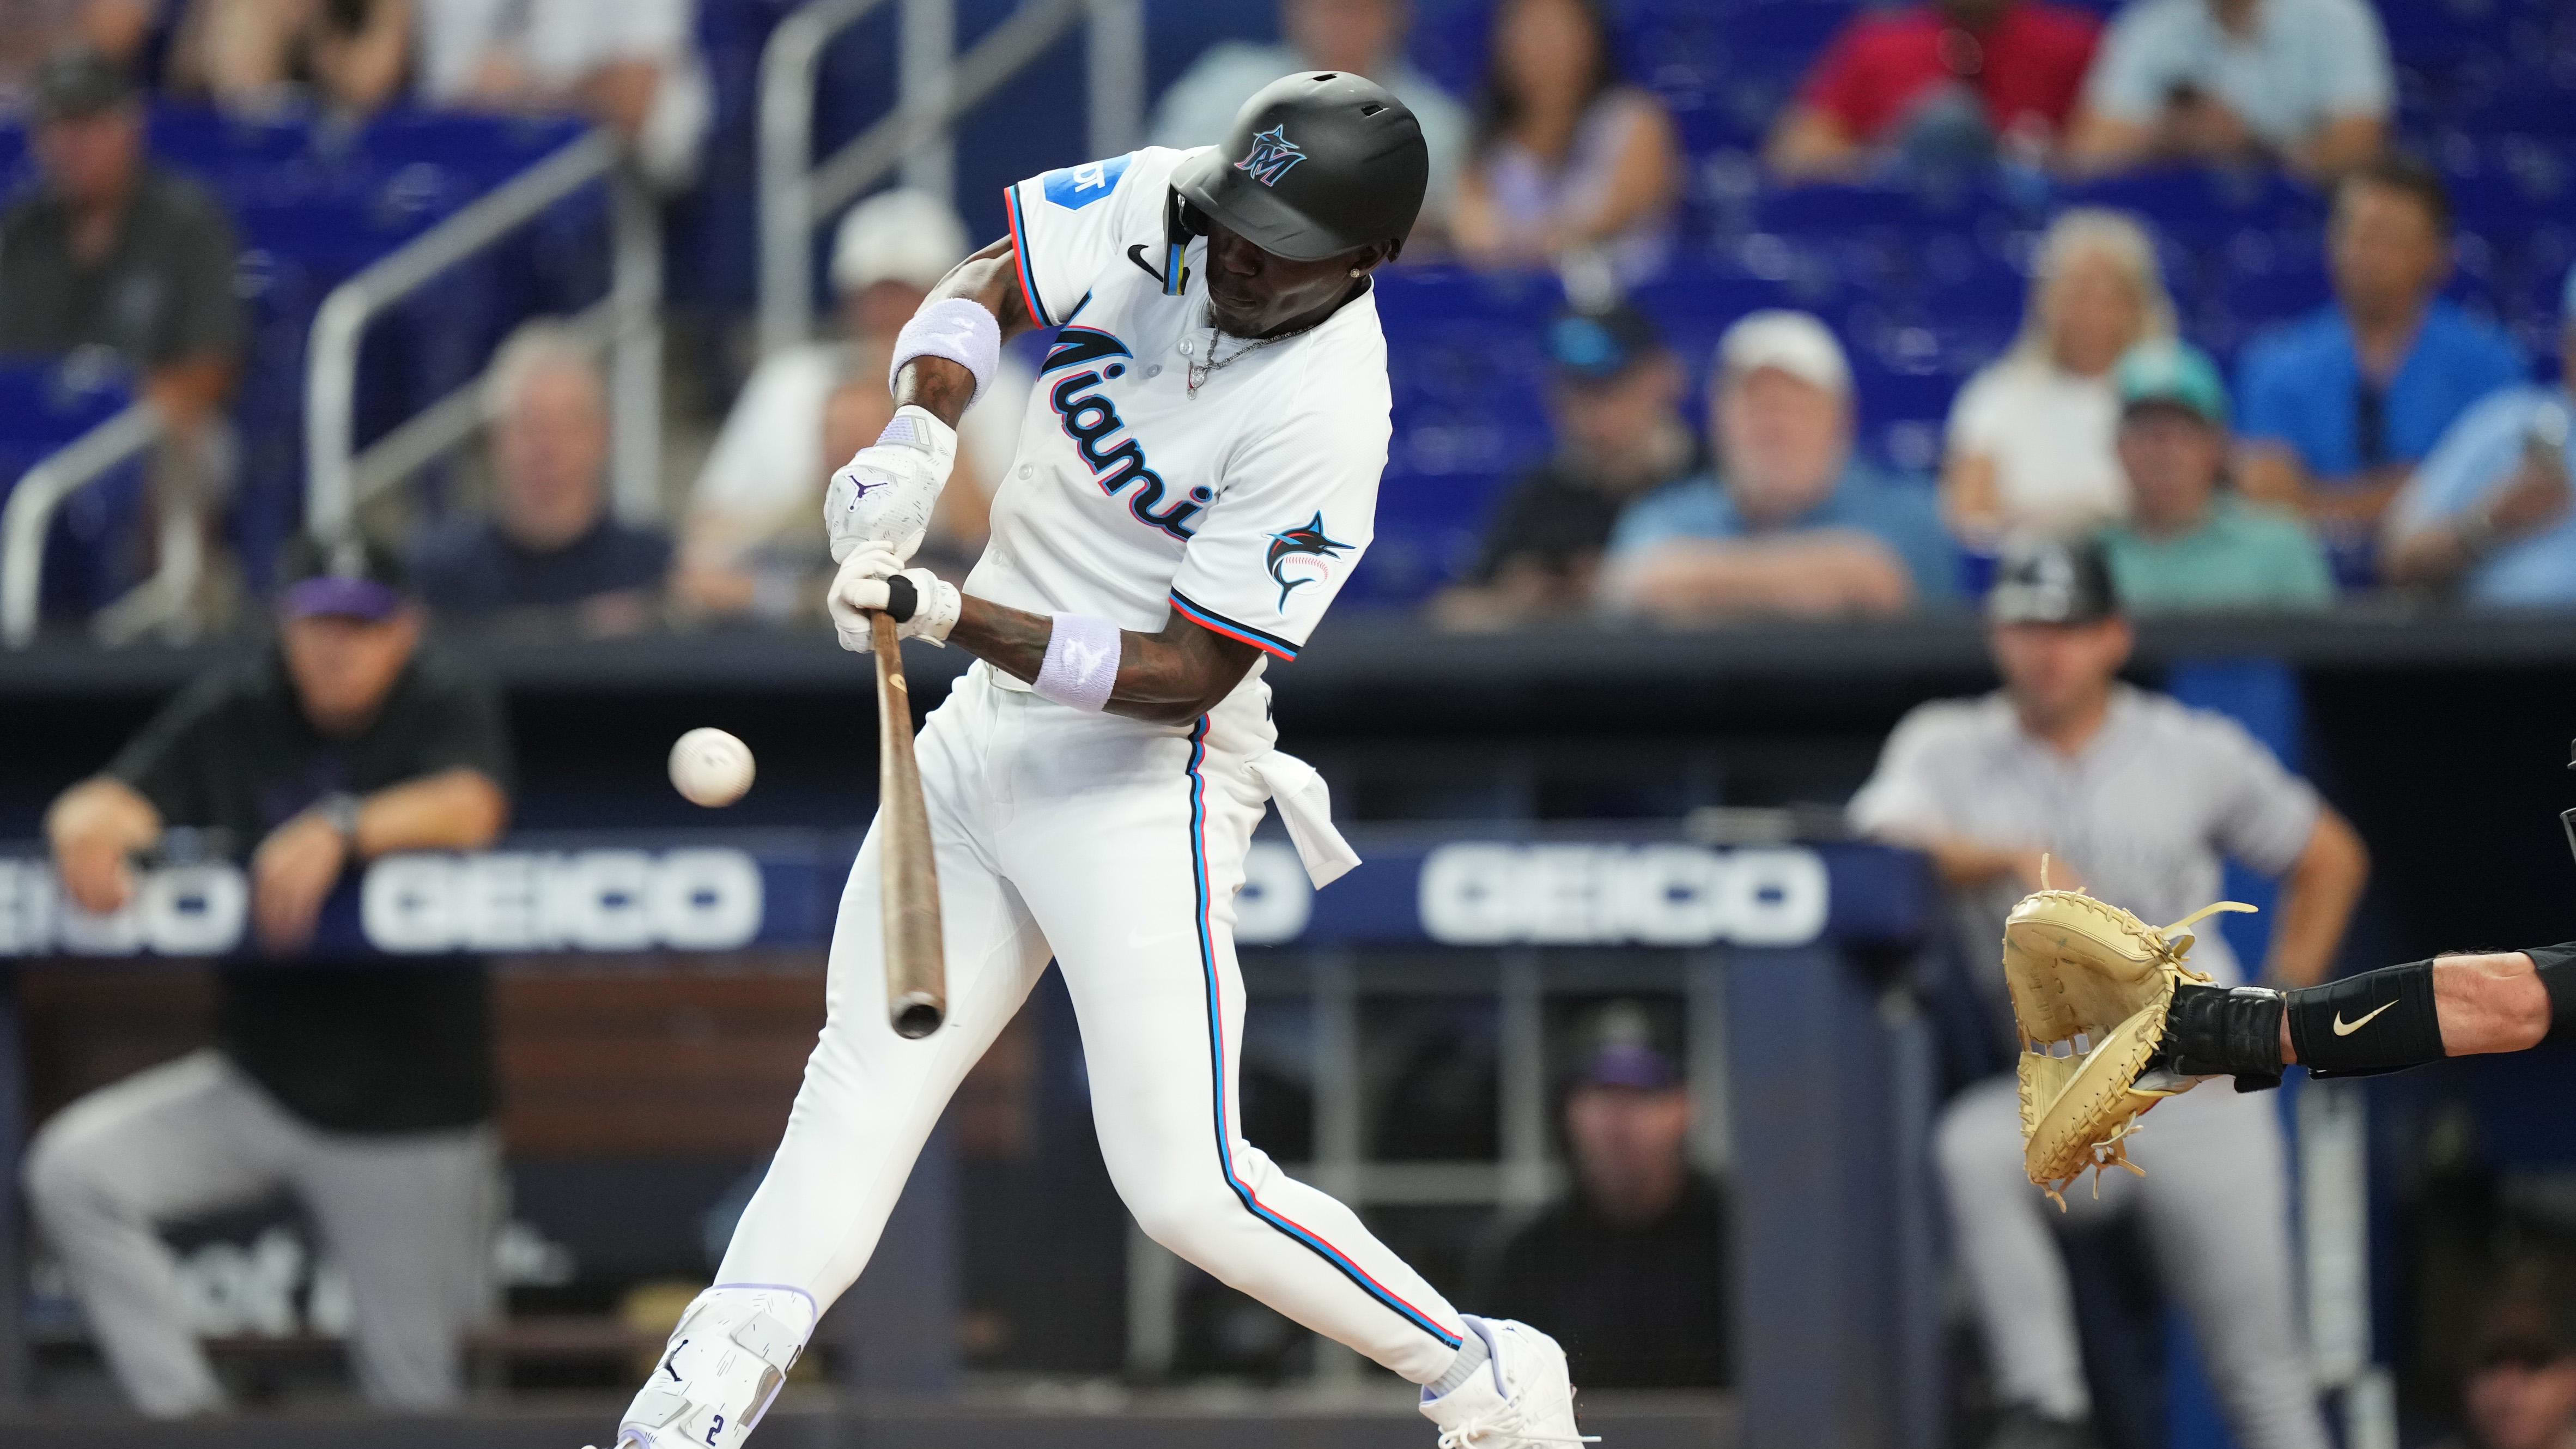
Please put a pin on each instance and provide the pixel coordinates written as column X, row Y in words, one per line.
column 885, row 493
column 873, row 580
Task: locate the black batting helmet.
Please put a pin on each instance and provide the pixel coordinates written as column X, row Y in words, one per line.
column 1317, row 163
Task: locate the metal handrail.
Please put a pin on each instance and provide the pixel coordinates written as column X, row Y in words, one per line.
column 339, row 478
column 796, row 194
column 41, row 492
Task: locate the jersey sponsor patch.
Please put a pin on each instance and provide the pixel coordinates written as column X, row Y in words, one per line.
column 1089, row 359
column 1271, row 156
column 1302, row 555
column 1075, row 187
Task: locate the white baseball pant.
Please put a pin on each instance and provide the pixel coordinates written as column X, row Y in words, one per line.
column 2215, row 1202
column 1116, row 848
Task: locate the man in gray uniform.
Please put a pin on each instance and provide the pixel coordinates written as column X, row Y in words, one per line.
column 2137, row 798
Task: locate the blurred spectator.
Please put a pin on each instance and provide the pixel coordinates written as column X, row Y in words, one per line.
column 2305, row 83
column 1942, row 81
column 2029, row 445
column 548, row 556
column 2339, row 406
column 2190, row 543
column 361, row 1086
column 2138, row 799
column 751, row 541
column 111, row 255
column 1791, row 522
column 1615, row 399
column 1628, row 1270
column 351, row 56
column 1362, row 37
column 1571, row 164
column 34, row 31
column 2487, row 515
column 111, row 251
column 2519, row 1391
column 631, row 65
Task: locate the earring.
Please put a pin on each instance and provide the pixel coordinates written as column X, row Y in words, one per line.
column 1355, row 271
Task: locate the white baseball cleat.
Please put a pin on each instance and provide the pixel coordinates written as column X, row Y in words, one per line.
column 723, row 1367
column 1520, row 1399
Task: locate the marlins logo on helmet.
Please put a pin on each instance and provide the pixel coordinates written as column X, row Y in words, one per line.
column 1306, row 539
column 1271, row 155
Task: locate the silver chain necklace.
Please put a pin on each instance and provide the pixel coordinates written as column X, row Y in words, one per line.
column 1201, row 367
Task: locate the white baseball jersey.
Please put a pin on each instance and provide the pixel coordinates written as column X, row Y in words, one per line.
column 1244, row 507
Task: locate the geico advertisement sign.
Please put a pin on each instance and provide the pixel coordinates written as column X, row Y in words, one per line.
column 1648, row 895
column 588, row 900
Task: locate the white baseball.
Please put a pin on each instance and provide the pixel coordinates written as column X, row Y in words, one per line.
column 710, row 767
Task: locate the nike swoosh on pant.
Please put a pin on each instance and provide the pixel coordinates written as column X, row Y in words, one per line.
column 2347, row 1028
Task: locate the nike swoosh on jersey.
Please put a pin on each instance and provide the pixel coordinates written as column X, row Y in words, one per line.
column 2347, row 1028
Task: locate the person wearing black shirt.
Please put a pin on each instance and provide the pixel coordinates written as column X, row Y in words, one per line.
column 1629, row 1271
column 1615, row 401
column 364, row 1088
column 549, row 557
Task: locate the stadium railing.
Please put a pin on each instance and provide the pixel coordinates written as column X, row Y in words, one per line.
column 340, row 479
column 41, row 493
column 797, row 195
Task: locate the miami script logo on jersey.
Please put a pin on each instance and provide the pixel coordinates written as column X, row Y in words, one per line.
column 1306, row 541
column 1272, row 156
column 1117, row 460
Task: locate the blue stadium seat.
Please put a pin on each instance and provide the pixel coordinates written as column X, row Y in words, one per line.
column 43, row 406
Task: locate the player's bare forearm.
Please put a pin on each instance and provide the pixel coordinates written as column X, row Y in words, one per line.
column 988, row 279
column 2485, row 1003
column 458, row 809
column 2316, row 902
column 1168, row 678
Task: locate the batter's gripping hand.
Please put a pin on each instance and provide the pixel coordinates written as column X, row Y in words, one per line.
column 2078, row 967
column 885, row 493
column 873, row 580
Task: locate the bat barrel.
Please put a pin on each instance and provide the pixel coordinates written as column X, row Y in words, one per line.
column 916, row 967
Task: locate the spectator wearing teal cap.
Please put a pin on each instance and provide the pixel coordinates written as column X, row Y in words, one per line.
column 2487, row 518
column 2190, row 542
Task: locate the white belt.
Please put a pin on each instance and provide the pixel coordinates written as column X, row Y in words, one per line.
column 1305, row 802
column 1306, row 807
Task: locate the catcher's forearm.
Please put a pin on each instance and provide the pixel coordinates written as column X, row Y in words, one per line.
column 2474, row 1005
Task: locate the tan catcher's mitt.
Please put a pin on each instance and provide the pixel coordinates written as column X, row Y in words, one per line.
column 2090, row 985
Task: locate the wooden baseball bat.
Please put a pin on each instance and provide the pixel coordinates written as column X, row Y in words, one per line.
column 916, row 967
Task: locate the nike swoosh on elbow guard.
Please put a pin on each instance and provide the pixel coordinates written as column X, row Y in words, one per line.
column 2347, row 1028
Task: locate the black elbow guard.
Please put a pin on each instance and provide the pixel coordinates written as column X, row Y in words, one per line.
column 2557, row 968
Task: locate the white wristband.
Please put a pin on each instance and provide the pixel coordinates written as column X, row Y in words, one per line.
column 1081, row 662
column 957, row 328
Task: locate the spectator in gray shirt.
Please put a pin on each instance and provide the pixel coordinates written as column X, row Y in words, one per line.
column 2137, row 798
column 109, row 251
column 2304, row 82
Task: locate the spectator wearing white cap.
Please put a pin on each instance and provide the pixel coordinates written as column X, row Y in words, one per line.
column 1792, row 522
column 749, row 542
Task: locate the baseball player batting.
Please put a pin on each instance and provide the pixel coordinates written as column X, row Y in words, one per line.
column 1197, row 475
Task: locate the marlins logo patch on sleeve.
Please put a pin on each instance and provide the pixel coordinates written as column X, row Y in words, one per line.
column 1306, row 541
